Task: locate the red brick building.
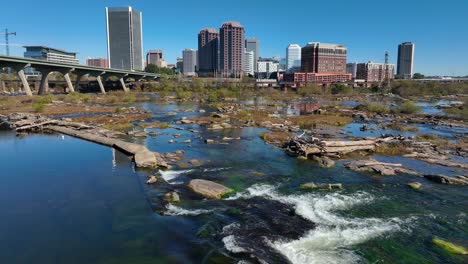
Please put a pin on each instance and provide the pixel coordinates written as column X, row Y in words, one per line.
column 304, row 78
column 321, row 64
column 321, row 57
column 101, row 62
column 231, row 47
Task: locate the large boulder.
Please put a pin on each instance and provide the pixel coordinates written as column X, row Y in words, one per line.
column 209, row 189
column 414, row 185
column 172, row 197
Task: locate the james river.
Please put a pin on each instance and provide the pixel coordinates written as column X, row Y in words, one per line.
column 64, row 200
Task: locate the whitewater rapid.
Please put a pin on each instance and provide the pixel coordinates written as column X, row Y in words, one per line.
column 335, row 235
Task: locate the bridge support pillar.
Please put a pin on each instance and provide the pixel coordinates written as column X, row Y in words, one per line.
column 79, row 75
column 69, row 82
column 3, row 86
column 99, row 80
column 122, row 81
column 24, row 80
column 44, row 86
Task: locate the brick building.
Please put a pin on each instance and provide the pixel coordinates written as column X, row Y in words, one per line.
column 321, row 64
column 232, row 42
column 372, row 72
column 321, row 57
column 100, row 62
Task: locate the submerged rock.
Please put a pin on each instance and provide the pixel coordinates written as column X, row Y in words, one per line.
column 313, row 186
column 258, row 221
column 414, row 185
column 447, row 180
column 152, row 180
column 324, row 161
column 209, row 189
column 450, row 247
column 172, row 197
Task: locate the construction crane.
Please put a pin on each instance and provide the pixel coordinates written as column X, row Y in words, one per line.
column 7, row 44
column 7, row 40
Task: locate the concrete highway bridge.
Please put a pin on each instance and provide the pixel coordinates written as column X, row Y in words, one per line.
column 19, row 64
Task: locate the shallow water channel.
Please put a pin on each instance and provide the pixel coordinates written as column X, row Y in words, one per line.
column 65, row 200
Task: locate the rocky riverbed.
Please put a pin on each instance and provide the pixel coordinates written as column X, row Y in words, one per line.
column 242, row 183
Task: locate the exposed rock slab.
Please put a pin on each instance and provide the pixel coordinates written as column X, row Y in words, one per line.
column 372, row 165
column 208, row 189
column 447, row 180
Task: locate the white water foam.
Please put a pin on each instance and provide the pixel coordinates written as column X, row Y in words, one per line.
column 331, row 240
column 169, row 176
column 216, row 169
column 253, row 191
column 231, row 244
column 175, row 210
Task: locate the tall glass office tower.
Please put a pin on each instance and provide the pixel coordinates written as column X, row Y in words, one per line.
column 293, row 58
column 124, row 38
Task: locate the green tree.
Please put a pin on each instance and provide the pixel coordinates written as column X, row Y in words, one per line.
column 418, row 76
column 152, row 68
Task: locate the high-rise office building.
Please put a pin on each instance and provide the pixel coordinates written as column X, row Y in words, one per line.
column 252, row 44
column 293, row 58
column 249, row 59
column 180, row 64
column 189, row 57
column 352, row 69
column 232, row 42
column 153, row 56
column 319, row 57
column 124, row 38
column 208, row 40
column 405, row 60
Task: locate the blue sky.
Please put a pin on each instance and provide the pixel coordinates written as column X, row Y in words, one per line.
column 367, row 28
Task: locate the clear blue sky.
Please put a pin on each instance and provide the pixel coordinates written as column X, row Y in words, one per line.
column 366, row 27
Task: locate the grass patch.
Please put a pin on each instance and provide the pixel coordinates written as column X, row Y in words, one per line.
column 38, row 107
column 75, row 97
column 275, row 137
column 119, row 126
column 45, row 99
column 392, row 150
column 433, row 138
column 407, row 107
column 311, row 121
column 399, row 127
column 460, row 112
column 157, row 125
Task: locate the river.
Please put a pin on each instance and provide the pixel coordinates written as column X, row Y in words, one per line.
column 65, row 200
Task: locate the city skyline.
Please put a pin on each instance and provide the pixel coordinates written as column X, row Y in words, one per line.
column 164, row 32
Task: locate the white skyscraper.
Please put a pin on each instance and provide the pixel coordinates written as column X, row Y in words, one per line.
column 248, row 63
column 293, row 57
column 189, row 57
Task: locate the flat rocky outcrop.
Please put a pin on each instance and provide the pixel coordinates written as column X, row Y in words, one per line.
column 459, row 180
column 372, row 165
column 143, row 157
column 209, row 189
